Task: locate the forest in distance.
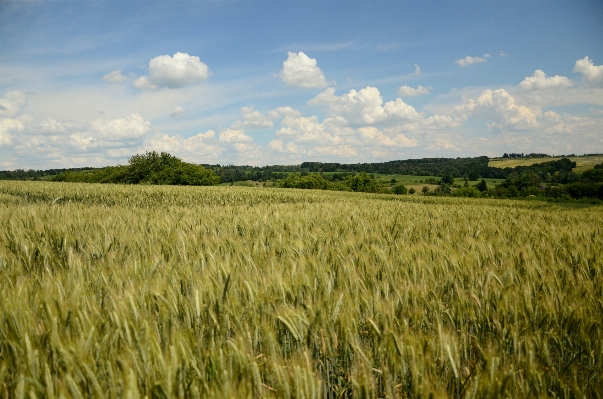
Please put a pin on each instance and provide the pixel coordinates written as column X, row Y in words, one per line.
column 554, row 179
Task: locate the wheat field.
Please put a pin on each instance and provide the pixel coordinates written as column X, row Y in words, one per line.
column 111, row 291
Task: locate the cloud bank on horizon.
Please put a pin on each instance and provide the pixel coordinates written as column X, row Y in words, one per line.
column 262, row 93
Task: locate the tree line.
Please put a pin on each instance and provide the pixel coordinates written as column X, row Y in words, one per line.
column 553, row 179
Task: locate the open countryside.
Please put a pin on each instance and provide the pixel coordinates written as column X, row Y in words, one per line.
column 301, row 199
column 145, row 290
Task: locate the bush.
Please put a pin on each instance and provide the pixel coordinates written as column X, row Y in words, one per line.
column 312, row 181
column 400, row 189
column 363, row 182
column 149, row 168
column 470, row 191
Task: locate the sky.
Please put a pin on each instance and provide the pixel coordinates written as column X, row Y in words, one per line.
column 91, row 83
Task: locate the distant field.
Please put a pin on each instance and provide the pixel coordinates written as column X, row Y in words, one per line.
column 582, row 163
column 114, row 291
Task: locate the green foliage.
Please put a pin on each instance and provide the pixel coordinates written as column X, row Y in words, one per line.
column 473, row 175
column 144, row 168
column 399, row 189
column 448, row 179
column 228, row 292
column 470, row 191
column 148, row 168
column 412, row 191
column 482, row 186
column 361, row 182
column 592, row 176
column 312, row 181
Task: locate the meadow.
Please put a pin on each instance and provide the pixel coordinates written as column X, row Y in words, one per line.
column 583, row 162
column 115, row 291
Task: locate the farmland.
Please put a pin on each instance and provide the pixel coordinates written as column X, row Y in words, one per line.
column 112, row 291
column 583, row 162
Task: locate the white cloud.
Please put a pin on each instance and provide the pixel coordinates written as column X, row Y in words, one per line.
column 499, row 108
column 177, row 112
column 290, row 148
column 365, row 107
column 502, row 54
column 234, row 136
column 539, row 81
column 282, row 112
column 406, row 91
column 8, row 126
column 115, row 77
column 591, row 74
column 200, row 148
column 51, row 125
column 299, row 70
column 143, row 83
column 173, row 72
column 253, row 119
column 12, row 103
column 331, row 138
column 417, row 70
column 468, row 60
column 130, row 127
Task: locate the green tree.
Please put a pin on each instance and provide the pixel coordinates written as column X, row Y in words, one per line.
column 482, row 186
column 412, row 191
column 473, row 175
column 400, row 189
column 425, row 190
column 363, row 182
column 448, row 179
column 142, row 166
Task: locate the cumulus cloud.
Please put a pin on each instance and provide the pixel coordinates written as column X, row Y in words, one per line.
column 308, row 136
column 51, row 125
column 299, row 70
column 12, row 103
column 417, row 70
column 173, row 72
column 130, row 127
column 115, row 77
column 199, row 148
column 468, row 60
column 253, row 119
column 407, row 91
column 234, row 136
column 499, row 108
column 591, row 73
column 365, row 107
column 283, row 112
column 539, row 81
column 177, row 112
column 8, row 126
column 290, row 148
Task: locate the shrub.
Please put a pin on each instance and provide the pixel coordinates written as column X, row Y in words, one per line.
column 400, row 189
column 470, row 191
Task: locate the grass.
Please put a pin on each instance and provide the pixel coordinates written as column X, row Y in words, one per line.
column 583, row 163
column 234, row 292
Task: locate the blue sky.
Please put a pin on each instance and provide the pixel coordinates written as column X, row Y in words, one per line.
column 281, row 82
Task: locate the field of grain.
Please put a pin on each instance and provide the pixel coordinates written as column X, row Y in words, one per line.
column 583, row 162
column 111, row 291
